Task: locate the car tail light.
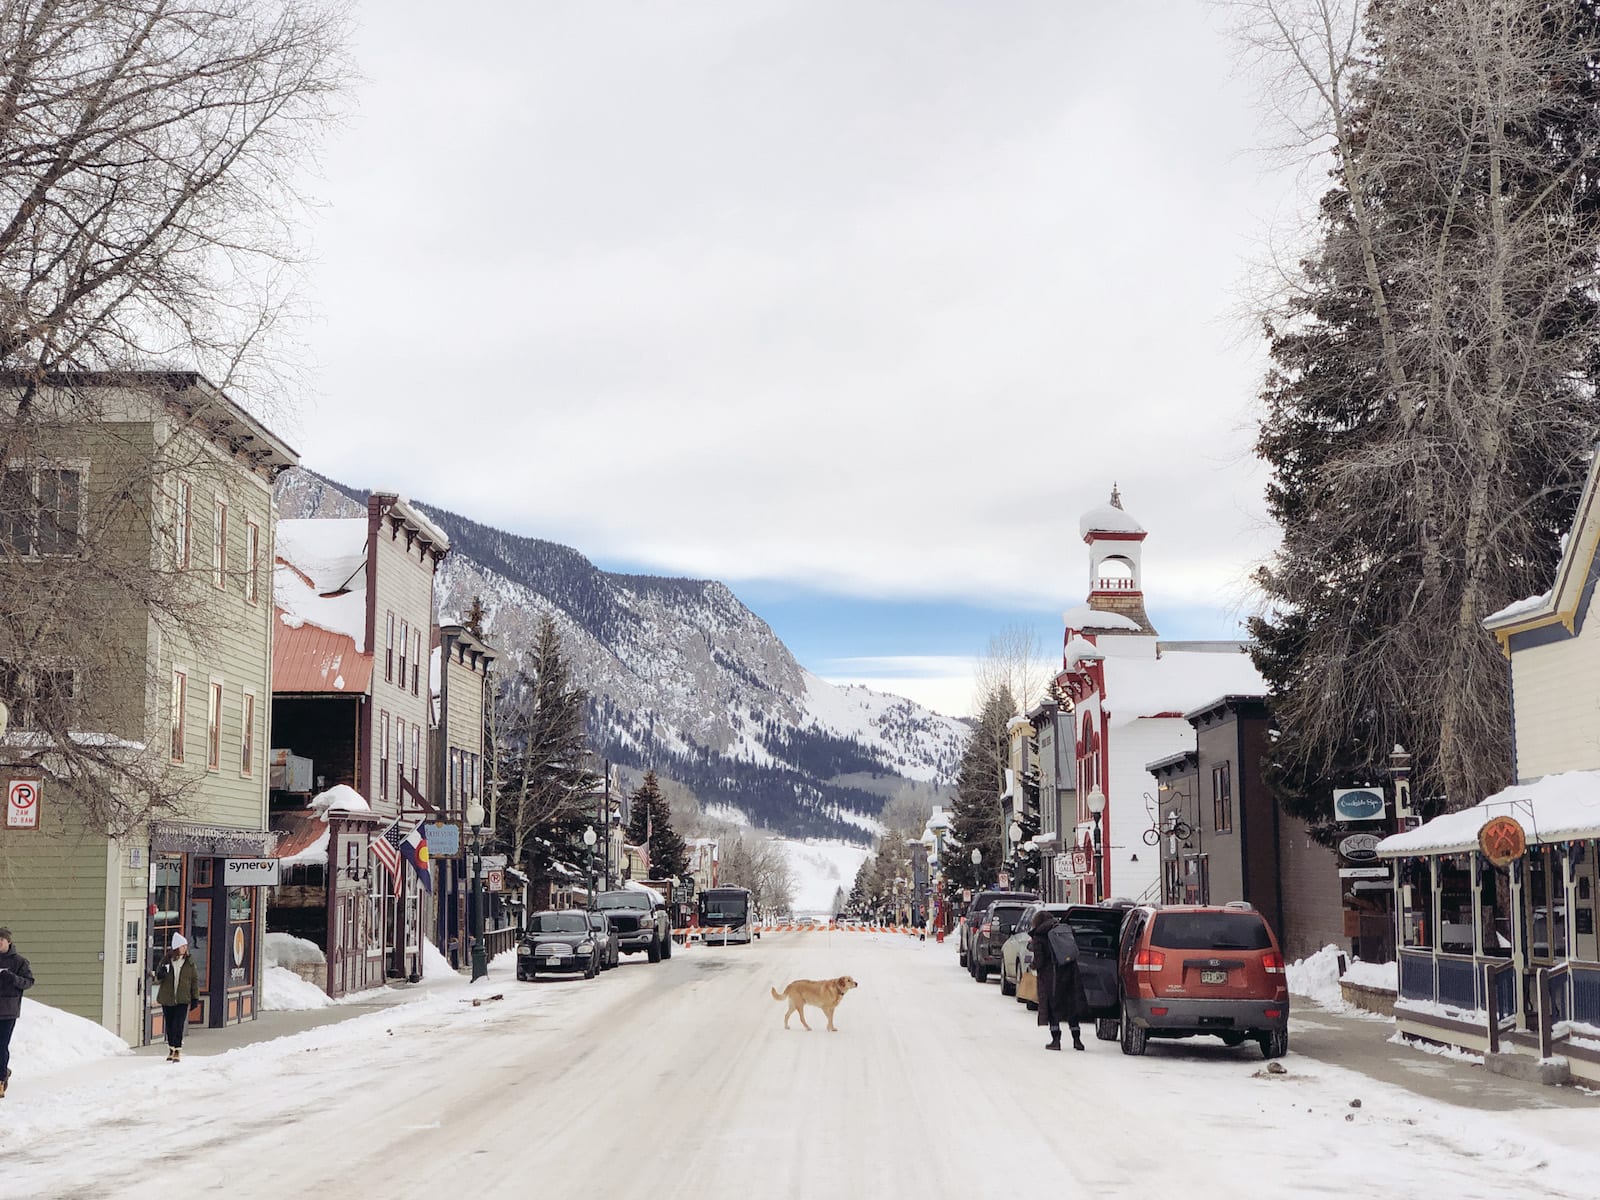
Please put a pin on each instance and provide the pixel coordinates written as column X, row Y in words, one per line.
column 1273, row 962
column 984, row 928
column 1158, row 1012
column 1149, row 960
column 1272, row 1012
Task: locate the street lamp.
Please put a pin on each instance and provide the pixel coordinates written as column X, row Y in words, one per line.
column 977, row 863
column 1097, row 805
column 480, row 964
column 589, row 839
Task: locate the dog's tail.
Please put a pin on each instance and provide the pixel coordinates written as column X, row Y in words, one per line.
column 776, row 994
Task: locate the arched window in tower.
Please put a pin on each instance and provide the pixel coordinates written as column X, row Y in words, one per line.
column 1088, row 763
column 1115, row 574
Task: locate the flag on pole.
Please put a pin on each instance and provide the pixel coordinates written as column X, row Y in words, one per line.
column 415, row 848
column 386, row 849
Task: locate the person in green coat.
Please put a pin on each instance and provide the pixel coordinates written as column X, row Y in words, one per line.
column 177, row 987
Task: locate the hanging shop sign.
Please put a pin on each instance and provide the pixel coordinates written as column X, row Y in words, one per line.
column 250, row 872
column 1061, row 864
column 1359, row 847
column 22, row 803
column 1363, row 872
column 1358, row 804
column 444, row 838
column 1502, row 841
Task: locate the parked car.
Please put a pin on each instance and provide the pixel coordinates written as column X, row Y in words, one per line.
column 970, row 922
column 610, row 944
column 640, row 920
column 558, row 941
column 1097, row 928
column 994, row 927
column 1189, row 970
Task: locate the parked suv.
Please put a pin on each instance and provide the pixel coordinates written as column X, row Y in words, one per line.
column 996, row 924
column 558, row 941
column 971, row 920
column 1188, row 970
column 640, row 921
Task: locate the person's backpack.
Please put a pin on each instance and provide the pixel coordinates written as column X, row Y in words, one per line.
column 1063, row 945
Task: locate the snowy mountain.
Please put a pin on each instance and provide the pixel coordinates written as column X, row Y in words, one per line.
column 684, row 678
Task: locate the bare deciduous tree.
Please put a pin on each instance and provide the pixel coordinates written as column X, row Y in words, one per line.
column 1016, row 665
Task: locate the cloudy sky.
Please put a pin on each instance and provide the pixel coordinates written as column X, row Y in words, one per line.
column 855, row 306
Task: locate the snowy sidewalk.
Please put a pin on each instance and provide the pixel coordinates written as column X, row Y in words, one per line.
column 1361, row 1043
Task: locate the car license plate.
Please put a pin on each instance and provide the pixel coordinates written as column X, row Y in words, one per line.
column 1213, row 977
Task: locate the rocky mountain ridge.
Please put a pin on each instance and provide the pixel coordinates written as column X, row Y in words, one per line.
column 683, row 677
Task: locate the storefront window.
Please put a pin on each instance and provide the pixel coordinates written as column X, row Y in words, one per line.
column 166, row 896
column 1455, row 904
column 1416, row 918
column 200, row 939
column 1547, row 903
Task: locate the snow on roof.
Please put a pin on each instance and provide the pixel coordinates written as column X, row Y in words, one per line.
column 1083, row 617
column 1016, row 723
column 302, row 605
column 330, row 551
column 632, row 885
column 1557, row 808
column 31, row 739
column 314, row 853
column 1521, row 608
column 1108, row 518
column 1177, row 681
column 1078, row 649
column 340, row 797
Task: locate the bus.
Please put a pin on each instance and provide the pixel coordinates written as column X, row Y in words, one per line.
column 727, row 914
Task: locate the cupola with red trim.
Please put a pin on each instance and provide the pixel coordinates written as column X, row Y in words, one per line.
column 1115, row 541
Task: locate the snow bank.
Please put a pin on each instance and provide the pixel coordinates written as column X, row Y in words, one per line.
column 47, row 1039
column 1374, row 975
column 286, row 950
column 284, row 991
column 434, row 964
column 1317, row 978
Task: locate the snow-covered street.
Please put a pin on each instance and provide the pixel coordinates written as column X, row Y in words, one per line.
column 678, row 1080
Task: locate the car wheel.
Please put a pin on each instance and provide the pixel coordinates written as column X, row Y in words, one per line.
column 1274, row 1043
column 654, row 951
column 1007, row 988
column 666, row 947
column 961, row 959
column 1107, row 1029
column 1231, row 1039
column 591, row 968
column 982, row 973
column 1133, row 1038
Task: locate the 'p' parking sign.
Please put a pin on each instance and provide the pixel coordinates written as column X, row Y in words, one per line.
column 22, row 804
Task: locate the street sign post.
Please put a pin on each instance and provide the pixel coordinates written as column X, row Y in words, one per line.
column 22, row 803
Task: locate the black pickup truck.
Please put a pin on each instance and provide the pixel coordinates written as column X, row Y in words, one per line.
column 640, row 920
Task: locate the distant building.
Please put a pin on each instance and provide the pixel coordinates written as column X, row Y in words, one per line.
column 459, row 667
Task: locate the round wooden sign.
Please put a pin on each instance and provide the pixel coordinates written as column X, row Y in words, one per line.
column 1502, row 841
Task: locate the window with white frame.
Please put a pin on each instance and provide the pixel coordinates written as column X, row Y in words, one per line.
column 247, row 735
column 252, row 562
column 416, row 665
column 400, row 754
column 383, row 760
column 180, row 700
column 214, row 725
column 219, row 543
column 405, row 645
column 182, row 524
column 388, row 653
column 416, row 752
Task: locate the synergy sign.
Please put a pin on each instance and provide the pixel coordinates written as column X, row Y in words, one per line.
column 1358, row 804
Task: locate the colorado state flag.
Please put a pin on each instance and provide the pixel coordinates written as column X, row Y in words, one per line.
column 415, row 848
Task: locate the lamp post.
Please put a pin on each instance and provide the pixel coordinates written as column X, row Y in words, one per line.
column 589, row 839
column 480, row 963
column 977, row 870
column 1015, row 835
column 1097, row 806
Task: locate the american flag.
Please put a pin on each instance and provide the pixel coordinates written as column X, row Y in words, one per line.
column 386, row 849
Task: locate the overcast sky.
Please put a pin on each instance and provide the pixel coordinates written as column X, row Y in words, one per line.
column 854, row 306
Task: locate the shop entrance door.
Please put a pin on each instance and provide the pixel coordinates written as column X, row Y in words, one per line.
column 1544, row 920
column 130, row 984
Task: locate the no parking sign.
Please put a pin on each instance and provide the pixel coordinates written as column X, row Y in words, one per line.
column 22, row 804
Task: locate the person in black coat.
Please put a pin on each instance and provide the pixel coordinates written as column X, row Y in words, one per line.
column 16, row 977
column 1061, row 998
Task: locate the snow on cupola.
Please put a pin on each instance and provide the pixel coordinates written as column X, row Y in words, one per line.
column 1115, row 541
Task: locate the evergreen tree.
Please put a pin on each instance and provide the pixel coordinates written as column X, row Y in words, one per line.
column 1430, row 406
column 975, row 816
column 1025, row 861
column 651, row 816
column 547, row 786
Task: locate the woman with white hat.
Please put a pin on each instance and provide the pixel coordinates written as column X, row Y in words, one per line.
column 178, row 986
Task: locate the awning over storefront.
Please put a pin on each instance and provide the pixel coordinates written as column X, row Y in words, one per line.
column 1557, row 808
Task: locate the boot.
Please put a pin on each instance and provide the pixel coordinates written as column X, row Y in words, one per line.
column 3, row 1083
column 176, row 1054
column 1055, row 1041
column 1077, row 1040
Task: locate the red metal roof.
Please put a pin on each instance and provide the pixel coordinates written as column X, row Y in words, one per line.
column 310, row 659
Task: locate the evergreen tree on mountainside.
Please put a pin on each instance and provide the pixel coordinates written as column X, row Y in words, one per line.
column 1430, row 405
column 975, row 816
column 651, row 816
column 543, row 758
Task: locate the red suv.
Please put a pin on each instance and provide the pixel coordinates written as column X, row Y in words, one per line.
column 1188, row 970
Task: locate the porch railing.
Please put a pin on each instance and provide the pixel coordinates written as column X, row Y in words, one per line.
column 1554, row 995
column 498, row 941
column 1500, row 990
